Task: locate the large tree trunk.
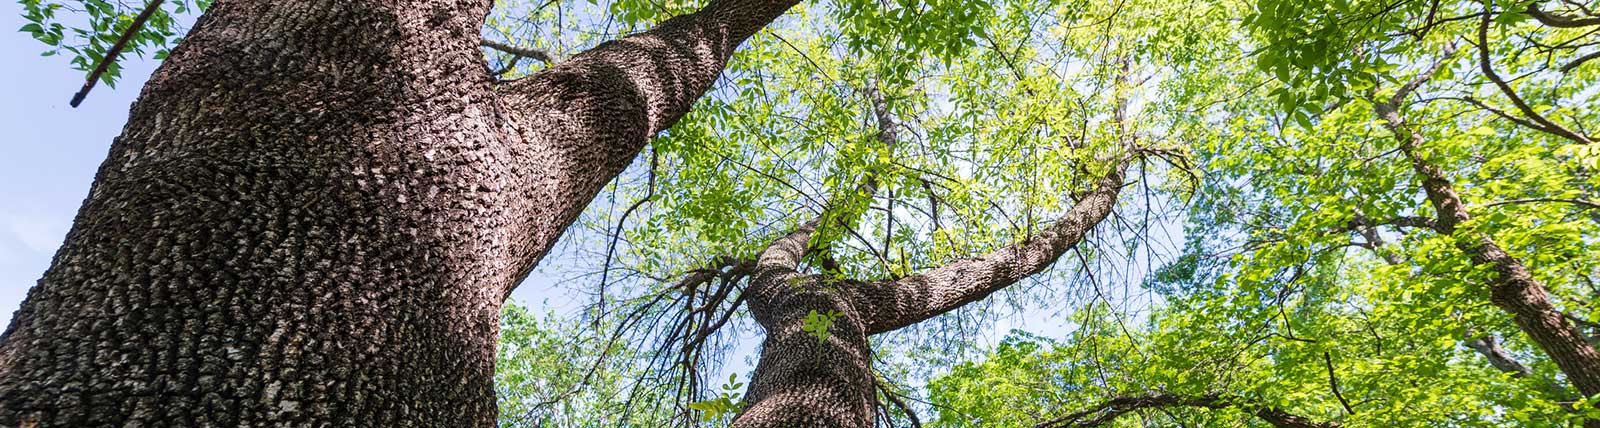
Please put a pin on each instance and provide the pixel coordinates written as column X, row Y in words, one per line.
column 317, row 208
column 801, row 381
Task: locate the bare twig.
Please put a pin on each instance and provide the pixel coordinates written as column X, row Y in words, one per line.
column 116, row 50
column 1578, row 202
column 534, row 53
column 1333, row 383
column 1558, row 20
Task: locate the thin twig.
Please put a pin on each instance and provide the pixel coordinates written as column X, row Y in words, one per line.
column 116, row 50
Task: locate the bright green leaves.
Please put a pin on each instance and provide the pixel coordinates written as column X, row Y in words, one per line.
column 87, row 29
column 554, row 370
column 725, row 405
column 908, row 30
column 818, row 323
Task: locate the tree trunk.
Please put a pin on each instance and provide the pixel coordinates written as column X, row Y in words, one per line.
column 802, row 381
column 317, row 208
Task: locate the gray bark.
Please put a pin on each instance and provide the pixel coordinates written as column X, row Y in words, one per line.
column 317, row 208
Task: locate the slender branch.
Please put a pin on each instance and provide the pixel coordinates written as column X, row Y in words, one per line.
column 611, row 249
column 1423, row 77
column 1502, row 113
column 1108, row 411
column 1579, row 202
column 1488, row 72
column 1333, row 383
column 1577, row 62
column 115, row 51
column 525, row 52
column 894, row 398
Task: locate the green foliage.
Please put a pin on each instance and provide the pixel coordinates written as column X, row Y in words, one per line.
column 817, row 324
column 725, row 405
column 86, row 29
column 1006, row 110
column 555, row 371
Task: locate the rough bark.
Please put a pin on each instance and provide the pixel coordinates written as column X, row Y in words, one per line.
column 1512, row 287
column 317, row 208
column 1110, row 410
column 801, row 381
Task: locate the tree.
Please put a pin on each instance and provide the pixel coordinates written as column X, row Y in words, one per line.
column 316, row 210
column 1378, row 232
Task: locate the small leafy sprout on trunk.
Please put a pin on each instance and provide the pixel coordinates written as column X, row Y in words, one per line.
column 818, row 323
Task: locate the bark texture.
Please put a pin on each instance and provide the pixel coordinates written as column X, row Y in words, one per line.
column 1513, row 288
column 801, row 381
column 317, row 208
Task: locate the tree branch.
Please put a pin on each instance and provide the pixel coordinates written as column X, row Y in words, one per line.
column 1579, row 202
column 1498, row 357
column 528, row 52
column 662, row 71
column 1333, row 383
column 1513, row 287
column 1577, row 62
column 115, row 51
column 1505, row 88
column 890, row 305
column 1423, row 77
column 1105, row 412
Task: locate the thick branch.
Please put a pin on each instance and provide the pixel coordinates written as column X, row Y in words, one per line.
column 1512, row 287
column 786, row 252
column 1498, row 356
column 1110, row 410
column 891, row 305
column 665, row 69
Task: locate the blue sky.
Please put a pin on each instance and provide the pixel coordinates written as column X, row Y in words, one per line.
column 50, row 152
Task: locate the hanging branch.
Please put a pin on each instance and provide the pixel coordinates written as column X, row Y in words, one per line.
column 116, row 50
column 1487, row 66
